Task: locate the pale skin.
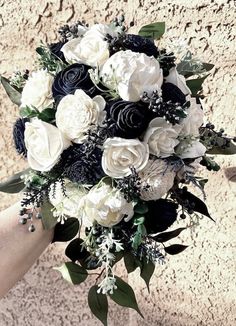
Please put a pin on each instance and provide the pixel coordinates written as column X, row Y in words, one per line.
column 19, row 248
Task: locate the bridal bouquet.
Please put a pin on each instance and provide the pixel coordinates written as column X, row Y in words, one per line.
column 111, row 125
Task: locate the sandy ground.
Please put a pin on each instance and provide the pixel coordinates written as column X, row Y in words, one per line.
column 194, row 288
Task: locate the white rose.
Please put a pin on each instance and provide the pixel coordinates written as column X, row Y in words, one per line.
column 37, row 91
column 44, row 143
column 193, row 150
column 78, row 113
column 122, row 154
column 106, row 205
column 193, row 121
column 156, row 179
column 175, row 78
column 161, row 137
column 131, row 74
column 68, row 205
column 91, row 49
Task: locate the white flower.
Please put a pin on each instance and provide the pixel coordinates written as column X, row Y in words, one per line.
column 193, row 150
column 175, row 78
column 66, row 206
column 189, row 169
column 156, row 179
column 37, row 91
column 106, row 205
column 122, row 154
column 44, row 143
column 193, row 121
column 131, row 74
column 78, row 113
column 91, row 49
column 161, row 137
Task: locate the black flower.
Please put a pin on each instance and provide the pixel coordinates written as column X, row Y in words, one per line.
column 161, row 214
column 137, row 43
column 76, row 76
column 171, row 92
column 18, row 136
column 55, row 48
column 128, row 119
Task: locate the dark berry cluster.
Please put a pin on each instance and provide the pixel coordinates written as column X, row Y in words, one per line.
column 166, row 60
column 171, row 111
column 68, row 32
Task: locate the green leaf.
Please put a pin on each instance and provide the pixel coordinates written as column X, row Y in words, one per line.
column 147, row 271
column 67, row 231
column 28, row 112
column 175, row 249
column 155, row 30
column 195, row 85
column 47, row 115
column 139, row 220
column 141, row 208
column 75, row 251
column 166, row 236
column 218, row 150
column 14, row 184
column 72, row 273
column 48, row 220
column 207, row 66
column 199, row 205
column 13, row 92
column 124, row 295
column 40, row 50
column 131, row 262
column 98, row 304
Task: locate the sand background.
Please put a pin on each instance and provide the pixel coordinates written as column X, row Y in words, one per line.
column 194, row 288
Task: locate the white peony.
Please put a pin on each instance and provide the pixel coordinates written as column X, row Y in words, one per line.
column 193, row 121
column 175, row 78
column 193, row 150
column 156, row 179
column 44, row 143
column 91, row 49
column 78, row 113
column 161, row 137
column 106, row 205
column 131, row 74
column 120, row 155
column 37, row 91
column 66, row 206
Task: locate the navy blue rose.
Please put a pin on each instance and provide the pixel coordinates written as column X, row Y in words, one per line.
column 18, row 136
column 75, row 76
column 171, row 92
column 128, row 119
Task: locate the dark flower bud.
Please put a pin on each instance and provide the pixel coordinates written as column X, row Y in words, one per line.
column 76, row 76
column 171, row 92
column 55, row 48
column 130, row 119
column 18, row 136
column 137, row 43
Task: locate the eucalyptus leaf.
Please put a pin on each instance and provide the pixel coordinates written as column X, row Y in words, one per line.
column 14, row 184
column 147, row 270
column 98, row 304
column 13, row 92
column 166, row 236
column 48, row 220
column 195, row 85
column 67, row 231
column 175, row 249
column 131, row 262
column 124, row 295
column 72, row 273
column 154, row 31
